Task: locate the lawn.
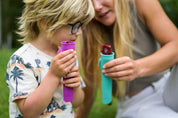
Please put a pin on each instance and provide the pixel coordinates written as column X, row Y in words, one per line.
column 98, row 110
column 4, row 91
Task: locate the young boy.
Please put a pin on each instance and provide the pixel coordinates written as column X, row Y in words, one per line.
column 34, row 71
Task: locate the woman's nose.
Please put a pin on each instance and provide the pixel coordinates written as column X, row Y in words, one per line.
column 97, row 5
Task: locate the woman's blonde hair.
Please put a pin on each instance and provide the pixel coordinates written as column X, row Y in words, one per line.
column 52, row 13
column 95, row 36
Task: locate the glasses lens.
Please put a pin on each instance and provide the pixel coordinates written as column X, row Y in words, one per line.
column 75, row 27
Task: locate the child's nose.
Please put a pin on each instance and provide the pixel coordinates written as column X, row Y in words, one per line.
column 79, row 31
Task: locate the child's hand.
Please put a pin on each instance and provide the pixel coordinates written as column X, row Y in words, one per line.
column 62, row 63
column 75, row 79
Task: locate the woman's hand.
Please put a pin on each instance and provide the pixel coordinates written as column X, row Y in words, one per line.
column 123, row 68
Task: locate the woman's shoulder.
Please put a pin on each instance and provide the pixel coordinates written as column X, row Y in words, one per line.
column 147, row 8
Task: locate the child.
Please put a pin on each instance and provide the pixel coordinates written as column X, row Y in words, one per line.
column 34, row 71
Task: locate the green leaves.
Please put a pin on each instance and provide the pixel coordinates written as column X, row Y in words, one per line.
column 171, row 9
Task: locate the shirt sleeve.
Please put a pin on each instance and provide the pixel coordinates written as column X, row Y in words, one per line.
column 22, row 81
column 82, row 85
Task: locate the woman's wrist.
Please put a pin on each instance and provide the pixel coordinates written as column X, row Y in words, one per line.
column 139, row 69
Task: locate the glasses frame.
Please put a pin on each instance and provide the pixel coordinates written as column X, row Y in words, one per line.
column 75, row 27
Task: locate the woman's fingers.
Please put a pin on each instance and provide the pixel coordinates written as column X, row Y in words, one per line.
column 120, row 73
column 117, row 68
column 115, row 62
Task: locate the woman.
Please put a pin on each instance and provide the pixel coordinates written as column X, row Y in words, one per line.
column 135, row 29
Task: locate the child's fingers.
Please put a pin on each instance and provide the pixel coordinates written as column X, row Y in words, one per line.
column 65, row 53
column 69, row 66
column 63, row 68
column 70, row 62
column 72, row 82
column 63, row 63
column 66, row 58
column 73, row 85
column 72, row 74
column 75, row 69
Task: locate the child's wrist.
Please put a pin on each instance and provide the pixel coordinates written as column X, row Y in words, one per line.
column 77, row 88
column 53, row 77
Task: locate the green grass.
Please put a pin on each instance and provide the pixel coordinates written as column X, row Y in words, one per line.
column 4, row 91
column 98, row 110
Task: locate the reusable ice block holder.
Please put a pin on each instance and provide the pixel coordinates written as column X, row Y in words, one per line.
column 106, row 81
column 68, row 93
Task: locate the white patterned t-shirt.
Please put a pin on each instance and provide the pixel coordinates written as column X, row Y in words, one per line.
column 25, row 71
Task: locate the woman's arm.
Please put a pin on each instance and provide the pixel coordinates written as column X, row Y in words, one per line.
column 164, row 31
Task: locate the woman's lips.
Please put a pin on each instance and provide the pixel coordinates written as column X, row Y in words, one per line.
column 103, row 14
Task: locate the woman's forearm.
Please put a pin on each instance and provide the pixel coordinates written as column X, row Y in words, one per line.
column 161, row 60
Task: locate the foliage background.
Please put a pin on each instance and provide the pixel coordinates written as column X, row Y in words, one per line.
column 12, row 9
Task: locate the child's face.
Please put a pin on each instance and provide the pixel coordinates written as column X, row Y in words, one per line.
column 66, row 33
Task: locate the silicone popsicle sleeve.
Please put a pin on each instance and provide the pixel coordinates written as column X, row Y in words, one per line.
column 68, row 93
column 106, row 81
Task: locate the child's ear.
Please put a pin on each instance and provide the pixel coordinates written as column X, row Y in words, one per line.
column 42, row 25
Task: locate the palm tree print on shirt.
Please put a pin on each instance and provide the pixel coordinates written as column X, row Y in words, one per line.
column 16, row 74
column 38, row 67
column 53, row 116
column 7, row 79
column 19, row 116
column 17, row 59
column 53, row 105
column 48, row 63
column 38, row 63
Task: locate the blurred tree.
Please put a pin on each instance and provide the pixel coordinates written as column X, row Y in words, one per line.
column 171, row 8
column 11, row 9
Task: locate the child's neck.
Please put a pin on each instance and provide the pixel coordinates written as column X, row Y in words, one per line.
column 43, row 45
